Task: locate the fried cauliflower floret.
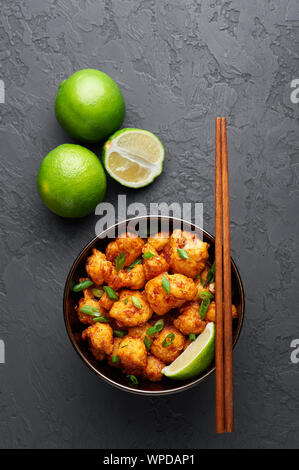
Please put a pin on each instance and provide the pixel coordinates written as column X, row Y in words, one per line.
column 155, row 265
column 84, row 317
column 189, row 321
column 153, row 370
column 195, row 248
column 102, row 271
column 159, row 240
column 182, row 289
column 114, row 352
column 132, row 354
column 100, row 339
column 112, row 277
column 133, row 279
column 126, row 313
column 168, row 354
column 140, row 331
column 127, row 243
column 211, row 312
column 96, row 267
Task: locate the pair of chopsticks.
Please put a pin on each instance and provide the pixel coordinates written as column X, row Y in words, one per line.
column 223, row 294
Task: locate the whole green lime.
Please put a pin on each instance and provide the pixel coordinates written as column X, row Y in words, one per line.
column 71, row 181
column 89, row 105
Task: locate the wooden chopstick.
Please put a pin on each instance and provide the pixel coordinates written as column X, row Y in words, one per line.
column 227, row 289
column 223, row 357
column 218, row 284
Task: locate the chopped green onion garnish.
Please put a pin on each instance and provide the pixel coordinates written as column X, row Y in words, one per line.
column 88, row 310
column 211, row 275
column 120, row 261
column 82, row 285
column 114, row 359
column 183, row 253
column 133, row 379
column 119, row 333
column 101, row 319
column 125, row 345
column 137, row 261
column 192, row 336
column 97, row 293
column 168, row 340
column 110, row 292
column 158, row 326
column 204, row 307
column 136, row 302
column 166, row 284
column 205, row 295
column 147, row 343
column 126, row 301
column 148, row 255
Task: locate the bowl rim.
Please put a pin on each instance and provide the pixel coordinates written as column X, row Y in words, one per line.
column 178, row 387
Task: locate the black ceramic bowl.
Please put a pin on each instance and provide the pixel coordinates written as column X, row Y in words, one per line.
column 74, row 328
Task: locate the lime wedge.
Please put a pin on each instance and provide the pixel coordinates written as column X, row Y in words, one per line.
column 133, row 157
column 196, row 358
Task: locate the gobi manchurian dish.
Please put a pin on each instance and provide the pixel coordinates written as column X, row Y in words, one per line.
column 144, row 302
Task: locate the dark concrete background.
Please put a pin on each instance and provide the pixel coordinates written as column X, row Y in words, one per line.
column 178, row 64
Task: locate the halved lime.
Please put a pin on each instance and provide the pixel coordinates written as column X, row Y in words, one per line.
column 133, row 157
column 196, row 358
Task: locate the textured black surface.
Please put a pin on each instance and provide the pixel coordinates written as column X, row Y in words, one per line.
column 179, row 64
